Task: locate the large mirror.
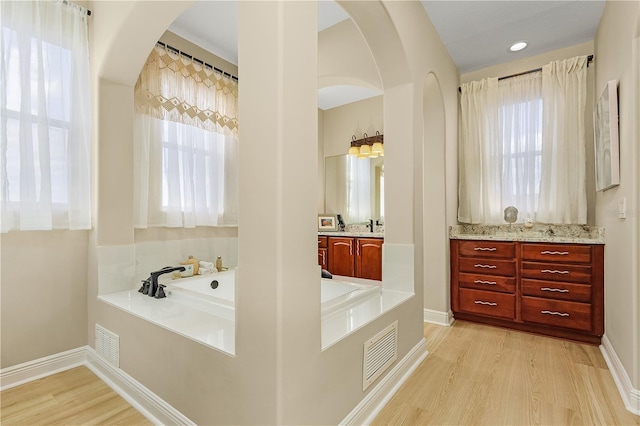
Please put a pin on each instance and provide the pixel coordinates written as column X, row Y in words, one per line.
column 354, row 188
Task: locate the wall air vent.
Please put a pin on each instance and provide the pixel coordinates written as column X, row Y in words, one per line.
column 379, row 353
column 108, row 345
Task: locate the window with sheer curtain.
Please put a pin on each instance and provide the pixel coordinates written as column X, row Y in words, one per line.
column 185, row 143
column 522, row 144
column 45, row 116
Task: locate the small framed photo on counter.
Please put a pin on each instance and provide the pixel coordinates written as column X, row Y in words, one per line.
column 327, row 222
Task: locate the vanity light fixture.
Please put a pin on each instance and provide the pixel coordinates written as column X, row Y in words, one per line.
column 367, row 147
column 518, row 46
column 353, row 150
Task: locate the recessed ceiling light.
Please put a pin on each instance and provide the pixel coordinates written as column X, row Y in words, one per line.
column 515, row 47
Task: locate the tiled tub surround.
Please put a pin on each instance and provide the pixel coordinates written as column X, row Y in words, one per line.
column 580, row 234
column 122, row 267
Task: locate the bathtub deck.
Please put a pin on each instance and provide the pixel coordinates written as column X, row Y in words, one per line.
column 214, row 326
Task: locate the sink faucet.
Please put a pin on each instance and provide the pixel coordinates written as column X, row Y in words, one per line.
column 370, row 225
column 154, row 288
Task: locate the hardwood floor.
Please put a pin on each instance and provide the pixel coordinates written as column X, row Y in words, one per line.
column 73, row 397
column 483, row 375
column 474, row 374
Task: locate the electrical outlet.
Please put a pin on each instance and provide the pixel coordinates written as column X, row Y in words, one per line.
column 622, row 208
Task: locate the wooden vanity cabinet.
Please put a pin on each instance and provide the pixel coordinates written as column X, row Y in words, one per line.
column 549, row 288
column 342, row 256
column 355, row 257
column 369, row 258
column 323, row 256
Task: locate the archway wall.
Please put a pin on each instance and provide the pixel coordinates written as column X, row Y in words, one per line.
column 207, row 386
column 279, row 369
column 420, row 84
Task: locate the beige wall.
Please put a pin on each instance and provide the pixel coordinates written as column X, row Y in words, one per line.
column 616, row 50
column 44, row 310
column 538, row 61
column 342, row 122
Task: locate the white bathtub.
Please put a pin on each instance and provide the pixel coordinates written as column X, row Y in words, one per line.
column 195, row 310
column 334, row 295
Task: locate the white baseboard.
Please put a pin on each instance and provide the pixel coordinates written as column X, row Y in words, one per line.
column 630, row 396
column 438, row 317
column 17, row 375
column 367, row 410
column 154, row 408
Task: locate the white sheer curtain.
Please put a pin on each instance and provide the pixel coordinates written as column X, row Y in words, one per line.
column 185, row 144
column 358, row 189
column 45, row 116
column 185, row 175
column 522, row 144
column 563, row 194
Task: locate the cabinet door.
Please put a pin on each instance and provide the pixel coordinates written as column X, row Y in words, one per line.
column 369, row 258
column 342, row 256
column 322, row 258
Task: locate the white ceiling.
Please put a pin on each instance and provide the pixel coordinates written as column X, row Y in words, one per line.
column 476, row 33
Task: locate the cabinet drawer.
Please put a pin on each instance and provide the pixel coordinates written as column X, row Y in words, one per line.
column 557, row 313
column 557, row 272
column 557, row 253
column 487, row 282
column 489, row 303
column 322, row 242
column 488, row 266
column 557, row 290
column 487, row 249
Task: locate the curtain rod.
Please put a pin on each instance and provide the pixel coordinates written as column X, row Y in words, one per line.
column 67, row 2
column 589, row 60
column 200, row 61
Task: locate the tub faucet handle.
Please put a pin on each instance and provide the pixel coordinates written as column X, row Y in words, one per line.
column 160, row 292
column 145, row 286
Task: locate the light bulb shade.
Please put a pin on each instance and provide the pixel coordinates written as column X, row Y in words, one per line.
column 365, row 150
column 377, row 147
column 354, row 151
column 373, row 155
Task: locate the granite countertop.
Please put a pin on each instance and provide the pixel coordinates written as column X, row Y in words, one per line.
column 580, row 234
column 351, row 234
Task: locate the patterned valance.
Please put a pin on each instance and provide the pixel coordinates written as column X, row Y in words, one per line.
column 177, row 88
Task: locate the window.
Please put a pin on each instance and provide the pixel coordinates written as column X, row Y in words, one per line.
column 45, row 116
column 522, row 144
column 521, row 155
column 185, row 144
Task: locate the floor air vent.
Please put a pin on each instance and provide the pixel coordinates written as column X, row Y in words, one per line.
column 379, row 353
column 108, row 345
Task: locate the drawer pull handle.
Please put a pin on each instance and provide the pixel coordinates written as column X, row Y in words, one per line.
column 478, row 265
column 559, row 290
column 485, row 282
column 485, row 248
column 480, row 302
column 553, row 271
column 559, row 314
column 561, row 253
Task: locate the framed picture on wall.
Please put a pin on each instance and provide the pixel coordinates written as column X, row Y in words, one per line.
column 327, row 222
column 606, row 140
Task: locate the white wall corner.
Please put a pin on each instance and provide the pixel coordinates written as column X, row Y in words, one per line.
column 366, row 411
column 155, row 409
column 438, row 317
column 630, row 396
